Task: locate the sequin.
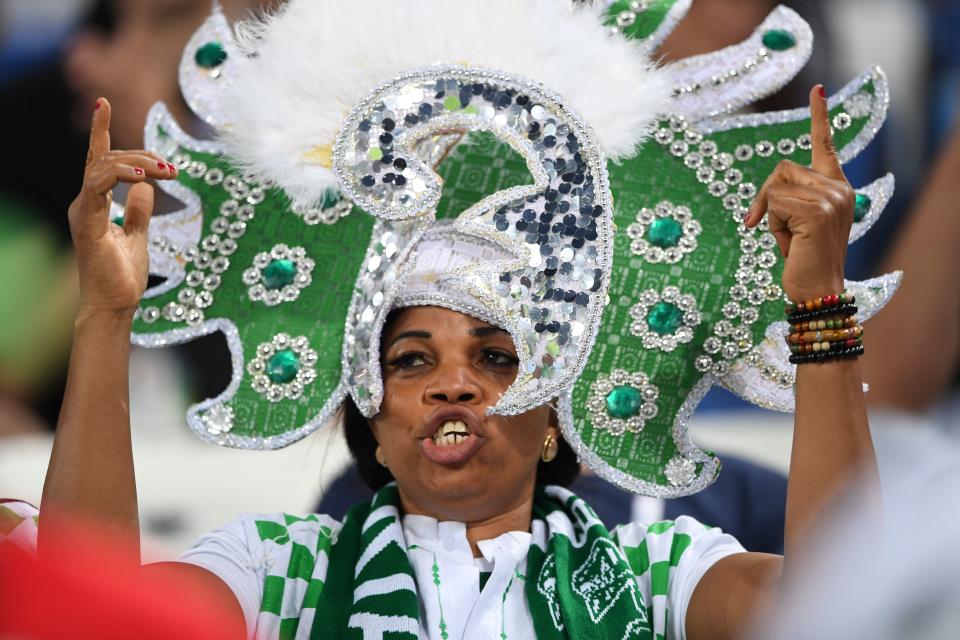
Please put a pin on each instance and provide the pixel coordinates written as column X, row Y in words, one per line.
column 559, row 222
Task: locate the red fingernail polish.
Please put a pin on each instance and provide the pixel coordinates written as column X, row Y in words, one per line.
column 97, row 105
column 162, row 165
column 171, row 168
column 823, row 92
column 138, row 171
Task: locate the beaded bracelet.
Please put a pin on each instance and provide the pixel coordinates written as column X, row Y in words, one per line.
column 820, row 325
column 824, row 347
column 824, row 329
column 826, row 335
column 823, row 356
column 818, row 304
column 845, row 311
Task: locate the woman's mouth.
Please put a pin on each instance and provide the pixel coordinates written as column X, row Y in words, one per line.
column 452, row 443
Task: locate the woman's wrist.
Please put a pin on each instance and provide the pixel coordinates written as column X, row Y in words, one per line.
column 93, row 317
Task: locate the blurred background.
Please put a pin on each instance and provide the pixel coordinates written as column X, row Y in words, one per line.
column 58, row 56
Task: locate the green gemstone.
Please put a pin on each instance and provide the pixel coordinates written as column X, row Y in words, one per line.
column 779, row 40
column 664, row 318
column 375, row 153
column 665, row 233
column 330, row 198
column 210, row 55
column 283, row 366
column 623, row 402
column 279, row 273
column 451, row 103
column 862, row 207
column 119, row 220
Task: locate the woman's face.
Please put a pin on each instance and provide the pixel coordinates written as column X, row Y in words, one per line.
column 441, row 371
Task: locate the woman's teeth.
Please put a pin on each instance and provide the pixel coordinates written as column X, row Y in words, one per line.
column 450, row 433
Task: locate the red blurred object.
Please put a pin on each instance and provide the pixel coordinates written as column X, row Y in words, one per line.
column 89, row 589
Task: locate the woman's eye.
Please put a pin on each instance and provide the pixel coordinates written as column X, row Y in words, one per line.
column 407, row 360
column 500, row 359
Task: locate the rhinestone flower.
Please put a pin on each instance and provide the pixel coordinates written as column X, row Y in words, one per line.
column 680, row 471
column 664, row 234
column 218, row 419
column 622, row 402
column 282, row 367
column 664, row 320
column 278, row 275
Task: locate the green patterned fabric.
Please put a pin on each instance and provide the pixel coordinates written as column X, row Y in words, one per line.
column 580, row 586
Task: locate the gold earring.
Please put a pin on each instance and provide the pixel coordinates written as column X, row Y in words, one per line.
column 378, row 454
column 550, row 447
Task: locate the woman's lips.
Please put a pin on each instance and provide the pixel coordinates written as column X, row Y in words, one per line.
column 451, row 454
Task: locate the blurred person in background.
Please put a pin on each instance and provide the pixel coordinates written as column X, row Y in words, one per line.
column 128, row 51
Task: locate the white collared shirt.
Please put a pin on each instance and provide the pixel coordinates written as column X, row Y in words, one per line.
column 447, row 576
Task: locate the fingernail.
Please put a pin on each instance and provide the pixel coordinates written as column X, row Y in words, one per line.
column 97, row 105
column 747, row 214
column 162, row 165
column 823, row 92
column 138, row 171
column 171, row 168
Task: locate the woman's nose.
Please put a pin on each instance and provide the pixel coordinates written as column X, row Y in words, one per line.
column 454, row 383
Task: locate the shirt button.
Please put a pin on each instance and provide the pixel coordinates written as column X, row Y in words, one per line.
column 449, row 544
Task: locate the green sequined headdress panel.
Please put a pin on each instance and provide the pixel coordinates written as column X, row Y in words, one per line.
column 627, row 309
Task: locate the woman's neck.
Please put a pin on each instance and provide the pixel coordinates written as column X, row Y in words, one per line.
column 514, row 518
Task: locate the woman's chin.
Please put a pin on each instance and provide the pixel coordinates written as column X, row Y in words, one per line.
column 454, row 492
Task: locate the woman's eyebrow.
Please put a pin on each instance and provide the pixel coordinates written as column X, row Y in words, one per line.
column 415, row 333
column 480, row 332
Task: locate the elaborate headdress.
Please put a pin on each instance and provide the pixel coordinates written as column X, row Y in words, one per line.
column 484, row 156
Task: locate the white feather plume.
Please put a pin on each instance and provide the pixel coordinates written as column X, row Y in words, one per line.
column 308, row 64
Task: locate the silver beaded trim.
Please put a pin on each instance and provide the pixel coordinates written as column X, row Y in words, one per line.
column 876, row 106
column 604, row 385
column 316, row 215
column 748, row 65
column 257, row 368
column 686, row 303
column 253, row 277
column 723, row 81
column 687, row 243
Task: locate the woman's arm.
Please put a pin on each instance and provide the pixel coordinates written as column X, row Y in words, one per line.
column 810, row 212
column 90, row 479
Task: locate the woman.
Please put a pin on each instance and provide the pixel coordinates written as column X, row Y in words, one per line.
column 466, row 482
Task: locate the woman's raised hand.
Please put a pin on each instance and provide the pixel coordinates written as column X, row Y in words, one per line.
column 810, row 212
column 112, row 260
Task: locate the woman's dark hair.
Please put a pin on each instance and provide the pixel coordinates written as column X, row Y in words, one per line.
column 561, row 470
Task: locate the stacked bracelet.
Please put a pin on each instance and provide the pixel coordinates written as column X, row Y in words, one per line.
column 824, row 329
column 818, row 304
column 823, row 356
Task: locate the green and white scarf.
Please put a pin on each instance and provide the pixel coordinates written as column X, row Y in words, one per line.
column 580, row 586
